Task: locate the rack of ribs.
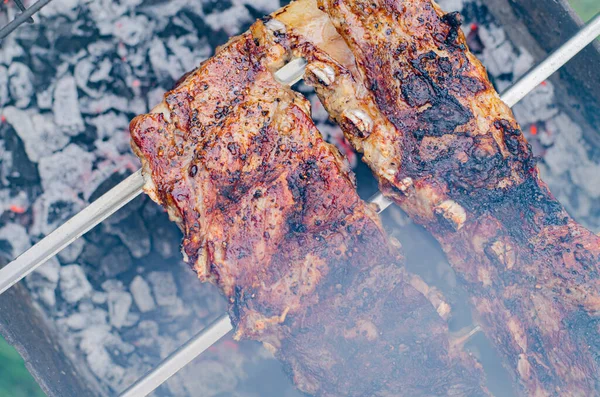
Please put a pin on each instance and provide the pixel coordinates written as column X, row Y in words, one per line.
column 270, row 215
column 397, row 76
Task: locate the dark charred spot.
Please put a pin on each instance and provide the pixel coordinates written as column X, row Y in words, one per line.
column 222, row 111
column 233, row 148
column 454, row 21
column 472, row 84
column 415, row 90
column 445, row 115
column 582, row 325
column 193, row 170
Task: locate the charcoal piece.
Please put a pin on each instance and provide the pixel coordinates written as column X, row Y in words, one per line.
column 116, row 261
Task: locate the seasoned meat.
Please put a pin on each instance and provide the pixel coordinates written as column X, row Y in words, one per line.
column 270, row 214
column 409, row 95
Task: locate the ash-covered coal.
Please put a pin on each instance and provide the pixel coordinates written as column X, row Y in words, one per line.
column 121, row 296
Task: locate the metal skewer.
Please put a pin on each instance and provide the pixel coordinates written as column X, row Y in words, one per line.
column 180, row 358
column 127, row 190
column 26, row 16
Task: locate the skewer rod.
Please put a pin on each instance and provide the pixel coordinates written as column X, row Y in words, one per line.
column 553, row 63
column 23, row 17
column 180, row 358
column 79, row 224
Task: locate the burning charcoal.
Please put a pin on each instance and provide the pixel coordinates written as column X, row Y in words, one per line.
column 93, row 253
column 70, row 167
column 119, row 303
column 116, row 261
column 66, row 106
column 474, row 41
column 142, row 295
column 74, row 284
column 20, row 84
column 164, row 288
column 33, row 129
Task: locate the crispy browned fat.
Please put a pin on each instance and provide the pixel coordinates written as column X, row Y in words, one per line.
column 409, row 95
column 270, row 214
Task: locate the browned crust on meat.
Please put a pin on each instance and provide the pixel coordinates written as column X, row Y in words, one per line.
column 450, row 153
column 270, row 214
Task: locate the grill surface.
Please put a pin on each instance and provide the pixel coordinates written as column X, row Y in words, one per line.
column 100, row 320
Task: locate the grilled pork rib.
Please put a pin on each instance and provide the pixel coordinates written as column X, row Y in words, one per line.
column 270, row 214
column 409, row 95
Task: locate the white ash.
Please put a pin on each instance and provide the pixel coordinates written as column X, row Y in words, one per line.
column 10, row 50
column 142, row 295
column 70, row 253
column 53, row 208
column 34, row 128
column 3, row 85
column 66, row 106
column 99, row 297
column 74, row 284
column 113, row 285
column 539, row 105
column 93, row 340
column 60, row 169
column 119, row 303
column 452, row 5
column 229, row 20
column 43, row 281
column 6, row 165
column 81, row 320
column 164, row 288
column 132, row 30
column 17, row 237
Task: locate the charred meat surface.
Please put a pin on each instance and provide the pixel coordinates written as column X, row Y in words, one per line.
column 409, row 95
column 270, row 214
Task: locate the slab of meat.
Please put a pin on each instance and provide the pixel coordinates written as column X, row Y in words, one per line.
column 411, row 97
column 270, row 214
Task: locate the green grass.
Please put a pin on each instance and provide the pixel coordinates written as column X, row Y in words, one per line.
column 586, row 8
column 15, row 381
